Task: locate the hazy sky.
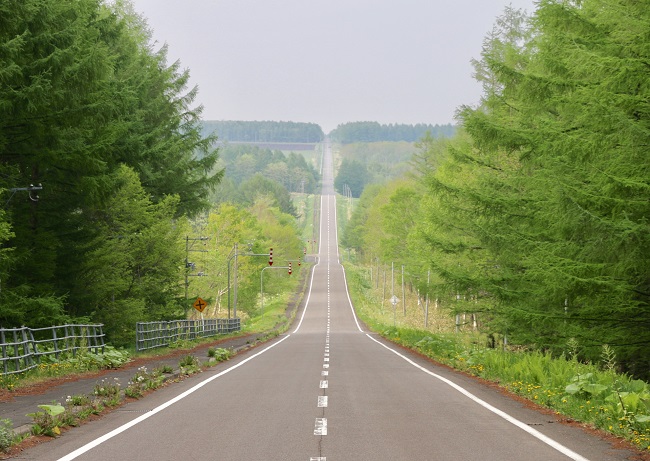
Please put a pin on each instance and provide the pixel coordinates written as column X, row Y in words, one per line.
column 328, row 61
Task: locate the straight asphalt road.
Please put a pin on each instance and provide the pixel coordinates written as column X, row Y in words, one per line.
column 326, row 391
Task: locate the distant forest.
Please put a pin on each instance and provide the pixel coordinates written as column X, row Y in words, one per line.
column 251, row 171
column 374, row 132
column 294, row 132
column 263, row 132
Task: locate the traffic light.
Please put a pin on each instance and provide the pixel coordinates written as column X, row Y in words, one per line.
column 270, row 256
column 289, row 268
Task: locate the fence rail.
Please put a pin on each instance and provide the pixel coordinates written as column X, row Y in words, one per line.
column 150, row 335
column 23, row 348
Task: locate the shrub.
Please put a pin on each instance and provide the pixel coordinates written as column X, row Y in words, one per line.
column 6, row 434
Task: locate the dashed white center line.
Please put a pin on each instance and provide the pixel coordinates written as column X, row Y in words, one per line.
column 323, row 384
column 320, row 427
column 324, row 373
column 322, row 401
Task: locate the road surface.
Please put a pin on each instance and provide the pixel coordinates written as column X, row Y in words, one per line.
column 326, row 391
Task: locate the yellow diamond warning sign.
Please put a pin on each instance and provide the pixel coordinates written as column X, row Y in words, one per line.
column 199, row 304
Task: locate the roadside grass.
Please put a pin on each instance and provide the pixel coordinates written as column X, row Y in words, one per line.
column 591, row 393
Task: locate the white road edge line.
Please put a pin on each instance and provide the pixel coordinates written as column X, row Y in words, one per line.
column 304, row 311
column 89, row 446
column 547, row 440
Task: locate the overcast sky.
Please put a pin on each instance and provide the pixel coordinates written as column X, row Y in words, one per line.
column 328, row 61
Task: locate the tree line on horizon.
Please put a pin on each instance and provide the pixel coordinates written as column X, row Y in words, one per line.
column 261, row 132
column 533, row 218
column 354, row 132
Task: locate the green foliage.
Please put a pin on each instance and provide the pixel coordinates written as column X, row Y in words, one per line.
column 133, row 266
column 142, row 382
column 77, row 400
column 352, row 176
column 108, row 390
column 83, row 94
column 354, row 235
column 47, row 422
column 219, row 354
column 584, row 384
column 242, row 162
column 383, row 160
column 373, row 132
column 229, row 225
column 189, row 365
column 534, row 217
column 256, row 187
column 164, row 369
column 264, row 132
column 7, row 435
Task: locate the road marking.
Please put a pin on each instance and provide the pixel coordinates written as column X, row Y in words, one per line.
column 538, row 435
column 311, row 283
column 326, row 359
column 98, row 441
column 322, row 401
column 323, row 384
column 326, row 365
column 318, row 458
column 324, row 373
column 320, row 427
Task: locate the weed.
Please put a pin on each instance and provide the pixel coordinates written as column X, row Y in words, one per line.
column 9, row 382
column 572, row 346
column 220, row 354
column 608, row 358
column 164, row 369
column 107, row 388
column 141, row 382
column 78, row 400
column 47, row 422
column 189, row 365
column 7, row 435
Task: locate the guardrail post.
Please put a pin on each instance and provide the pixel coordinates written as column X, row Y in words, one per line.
column 56, row 344
column 25, row 343
column 16, row 354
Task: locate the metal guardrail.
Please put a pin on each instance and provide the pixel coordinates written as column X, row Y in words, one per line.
column 150, row 335
column 22, row 348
